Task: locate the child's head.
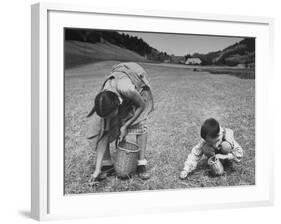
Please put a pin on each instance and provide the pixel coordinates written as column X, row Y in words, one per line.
column 106, row 104
column 210, row 130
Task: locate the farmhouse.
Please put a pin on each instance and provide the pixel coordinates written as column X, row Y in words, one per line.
column 193, row 61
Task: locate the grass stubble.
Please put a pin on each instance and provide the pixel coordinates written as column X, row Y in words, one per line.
column 183, row 100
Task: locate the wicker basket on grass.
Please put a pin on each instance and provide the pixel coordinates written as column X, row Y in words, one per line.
column 126, row 158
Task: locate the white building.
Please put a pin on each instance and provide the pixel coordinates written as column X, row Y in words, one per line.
column 193, row 61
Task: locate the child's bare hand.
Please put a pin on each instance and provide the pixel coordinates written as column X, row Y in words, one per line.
column 236, row 160
column 183, row 174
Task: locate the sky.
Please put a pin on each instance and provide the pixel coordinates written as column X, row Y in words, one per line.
column 182, row 44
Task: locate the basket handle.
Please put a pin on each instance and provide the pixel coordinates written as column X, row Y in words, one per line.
column 125, row 150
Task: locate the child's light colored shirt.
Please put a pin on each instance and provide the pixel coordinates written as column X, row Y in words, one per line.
column 197, row 152
column 121, row 86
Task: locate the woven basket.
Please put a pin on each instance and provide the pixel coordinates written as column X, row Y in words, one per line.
column 216, row 166
column 126, row 160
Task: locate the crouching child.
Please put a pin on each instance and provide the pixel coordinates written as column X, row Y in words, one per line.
column 217, row 144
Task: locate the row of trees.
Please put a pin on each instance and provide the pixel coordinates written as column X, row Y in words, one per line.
column 123, row 40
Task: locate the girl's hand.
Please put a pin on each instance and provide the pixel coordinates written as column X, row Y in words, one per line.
column 123, row 132
column 94, row 179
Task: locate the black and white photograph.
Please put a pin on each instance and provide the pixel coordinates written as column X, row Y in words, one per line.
column 154, row 111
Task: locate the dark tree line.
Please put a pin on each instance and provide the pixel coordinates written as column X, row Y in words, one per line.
column 123, row 40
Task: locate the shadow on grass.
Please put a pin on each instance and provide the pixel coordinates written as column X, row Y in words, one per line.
column 242, row 74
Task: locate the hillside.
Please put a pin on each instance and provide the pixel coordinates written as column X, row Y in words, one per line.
column 242, row 52
column 122, row 40
column 78, row 52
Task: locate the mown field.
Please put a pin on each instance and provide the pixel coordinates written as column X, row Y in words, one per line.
column 183, row 100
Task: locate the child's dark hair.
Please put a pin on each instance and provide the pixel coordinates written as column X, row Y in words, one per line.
column 105, row 103
column 210, row 128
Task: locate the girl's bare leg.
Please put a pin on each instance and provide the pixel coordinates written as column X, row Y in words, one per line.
column 107, row 157
column 102, row 147
column 141, row 142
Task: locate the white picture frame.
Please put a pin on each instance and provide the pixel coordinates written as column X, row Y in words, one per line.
column 47, row 198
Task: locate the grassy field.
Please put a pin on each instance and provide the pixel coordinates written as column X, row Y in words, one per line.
column 183, row 100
